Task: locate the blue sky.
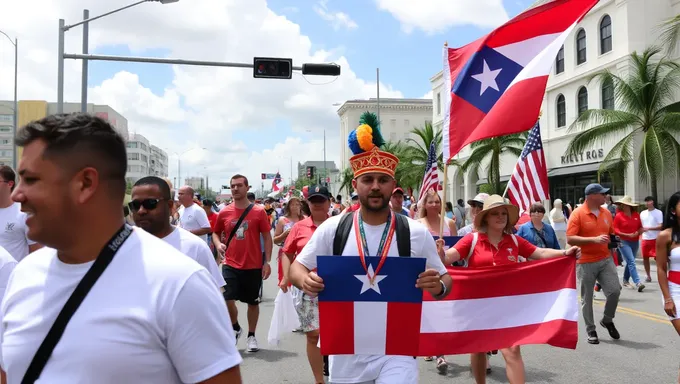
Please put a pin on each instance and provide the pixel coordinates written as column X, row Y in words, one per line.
column 406, row 60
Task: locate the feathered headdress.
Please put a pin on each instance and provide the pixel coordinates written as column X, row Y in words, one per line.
column 365, row 142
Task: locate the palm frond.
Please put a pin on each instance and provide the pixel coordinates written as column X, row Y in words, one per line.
column 595, row 117
column 670, row 34
column 598, row 135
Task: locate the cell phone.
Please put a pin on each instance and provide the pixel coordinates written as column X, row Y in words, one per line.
column 614, row 241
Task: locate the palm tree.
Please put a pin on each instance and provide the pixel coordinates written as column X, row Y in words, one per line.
column 647, row 110
column 670, row 33
column 346, row 178
column 492, row 149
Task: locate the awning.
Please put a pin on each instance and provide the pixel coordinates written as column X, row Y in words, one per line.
column 483, row 181
column 574, row 169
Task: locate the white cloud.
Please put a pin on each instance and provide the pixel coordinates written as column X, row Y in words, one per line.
column 428, row 95
column 338, row 20
column 199, row 106
column 436, row 16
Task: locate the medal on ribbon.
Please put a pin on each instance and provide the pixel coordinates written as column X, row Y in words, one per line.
column 383, row 247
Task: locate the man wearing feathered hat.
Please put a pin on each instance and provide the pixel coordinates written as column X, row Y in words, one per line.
column 369, row 234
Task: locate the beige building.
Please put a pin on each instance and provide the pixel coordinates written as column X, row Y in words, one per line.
column 603, row 40
column 398, row 117
column 195, row 182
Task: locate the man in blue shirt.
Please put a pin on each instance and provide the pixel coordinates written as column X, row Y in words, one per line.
column 397, row 201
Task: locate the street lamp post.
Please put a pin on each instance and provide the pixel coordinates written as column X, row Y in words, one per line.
column 179, row 163
column 16, row 102
column 63, row 28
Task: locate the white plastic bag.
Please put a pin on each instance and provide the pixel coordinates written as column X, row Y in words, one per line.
column 284, row 319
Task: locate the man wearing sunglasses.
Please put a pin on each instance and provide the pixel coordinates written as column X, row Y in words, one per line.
column 151, row 206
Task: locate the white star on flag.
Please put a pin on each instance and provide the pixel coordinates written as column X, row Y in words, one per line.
column 365, row 280
column 487, row 78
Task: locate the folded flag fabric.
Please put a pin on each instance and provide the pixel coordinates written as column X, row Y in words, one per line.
column 503, row 306
column 357, row 318
column 496, row 84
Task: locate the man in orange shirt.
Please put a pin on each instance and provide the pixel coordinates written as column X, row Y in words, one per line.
column 590, row 227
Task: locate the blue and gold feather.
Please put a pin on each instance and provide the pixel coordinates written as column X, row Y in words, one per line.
column 367, row 135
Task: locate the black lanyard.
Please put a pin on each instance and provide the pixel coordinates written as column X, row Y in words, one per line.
column 55, row 333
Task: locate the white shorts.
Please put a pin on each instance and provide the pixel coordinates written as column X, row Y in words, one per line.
column 675, row 294
column 346, row 369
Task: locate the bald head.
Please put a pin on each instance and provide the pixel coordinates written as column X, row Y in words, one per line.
column 186, row 196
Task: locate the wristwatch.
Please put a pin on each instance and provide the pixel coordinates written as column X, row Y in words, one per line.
column 443, row 293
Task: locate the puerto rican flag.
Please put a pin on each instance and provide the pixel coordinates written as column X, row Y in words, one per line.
column 276, row 183
column 356, row 318
column 502, row 306
column 497, row 83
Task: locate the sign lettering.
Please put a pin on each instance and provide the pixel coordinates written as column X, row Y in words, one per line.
column 594, row 154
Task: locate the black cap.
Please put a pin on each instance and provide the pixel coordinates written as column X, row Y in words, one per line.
column 250, row 196
column 318, row 190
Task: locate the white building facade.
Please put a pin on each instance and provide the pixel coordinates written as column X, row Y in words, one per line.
column 6, row 132
column 158, row 162
column 397, row 116
column 195, row 182
column 603, row 40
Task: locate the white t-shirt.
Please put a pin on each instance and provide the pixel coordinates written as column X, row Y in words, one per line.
column 360, row 368
column 649, row 220
column 154, row 317
column 13, row 231
column 194, row 217
column 7, row 264
column 192, row 246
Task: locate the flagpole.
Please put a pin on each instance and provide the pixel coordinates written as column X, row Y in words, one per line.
column 443, row 212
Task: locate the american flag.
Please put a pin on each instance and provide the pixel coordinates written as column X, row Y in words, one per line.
column 275, row 183
column 431, row 178
column 529, row 181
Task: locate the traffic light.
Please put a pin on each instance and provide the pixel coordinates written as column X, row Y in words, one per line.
column 321, row 69
column 310, row 172
column 272, row 68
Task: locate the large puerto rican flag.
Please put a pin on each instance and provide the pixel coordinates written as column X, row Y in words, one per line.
column 496, row 84
column 356, row 318
column 502, row 306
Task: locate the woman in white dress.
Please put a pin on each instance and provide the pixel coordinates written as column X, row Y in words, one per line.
column 668, row 260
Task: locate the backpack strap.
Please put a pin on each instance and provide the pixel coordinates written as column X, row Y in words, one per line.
column 403, row 232
column 475, row 237
column 342, row 233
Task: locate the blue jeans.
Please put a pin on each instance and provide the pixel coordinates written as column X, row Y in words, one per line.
column 628, row 250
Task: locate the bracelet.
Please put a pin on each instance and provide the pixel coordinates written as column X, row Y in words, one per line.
column 441, row 295
column 669, row 300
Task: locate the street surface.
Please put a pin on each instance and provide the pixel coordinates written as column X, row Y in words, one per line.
column 646, row 353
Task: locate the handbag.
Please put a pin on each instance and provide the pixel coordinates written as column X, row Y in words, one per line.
column 42, row 355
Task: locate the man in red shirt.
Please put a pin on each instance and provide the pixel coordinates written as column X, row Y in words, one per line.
column 243, row 268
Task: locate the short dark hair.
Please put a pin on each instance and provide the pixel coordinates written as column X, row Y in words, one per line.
column 80, row 140
column 250, row 196
column 537, row 207
column 208, row 202
column 648, row 198
column 238, row 176
column 8, row 174
column 157, row 181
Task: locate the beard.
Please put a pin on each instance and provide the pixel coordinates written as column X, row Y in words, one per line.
column 381, row 206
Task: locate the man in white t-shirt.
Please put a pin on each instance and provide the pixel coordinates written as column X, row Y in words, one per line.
column 12, row 221
column 151, row 206
column 374, row 186
column 192, row 217
column 153, row 316
column 652, row 223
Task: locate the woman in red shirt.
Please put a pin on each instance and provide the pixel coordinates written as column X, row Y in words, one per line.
column 292, row 213
column 494, row 244
column 628, row 226
column 308, row 307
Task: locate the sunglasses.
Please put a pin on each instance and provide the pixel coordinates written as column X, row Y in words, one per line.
column 148, row 204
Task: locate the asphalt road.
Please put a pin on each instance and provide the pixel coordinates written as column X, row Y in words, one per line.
column 646, row 353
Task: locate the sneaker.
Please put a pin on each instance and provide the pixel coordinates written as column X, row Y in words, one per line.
column 640, row 287
column 442, row 365
column 251, row 344
column 626, row 284
column 613, row 332
column 592, row 338
column 648, row 279
column 238, row 334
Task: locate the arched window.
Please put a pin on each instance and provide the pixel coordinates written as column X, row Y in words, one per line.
column 607, row 95
column 581, row 46
column 559, row 61
column 582, row 100
column 605, row 34
column 561, row 111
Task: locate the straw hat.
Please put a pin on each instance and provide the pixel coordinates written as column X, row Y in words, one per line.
column 626, row 200
column 495, row 201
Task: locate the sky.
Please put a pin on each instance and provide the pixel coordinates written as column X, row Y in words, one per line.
column 248, row 126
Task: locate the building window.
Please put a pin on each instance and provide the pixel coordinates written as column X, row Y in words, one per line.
column 407, row 124
column 5, row 129
column 605, row 34
column 607, row 95
column 133, row 156
column 132, row 144
column 581, row 46
column 582, row 100
column 439, row 104
column 561, row 111
column 393, row 137
column 559, row 61
column 6, row 141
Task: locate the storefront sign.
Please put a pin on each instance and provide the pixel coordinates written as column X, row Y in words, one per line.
column 594, row 154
